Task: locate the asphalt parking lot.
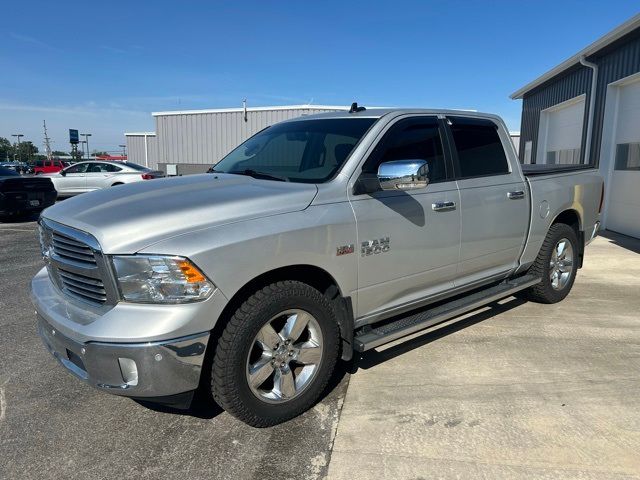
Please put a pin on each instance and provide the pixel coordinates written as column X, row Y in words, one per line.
column 518, row 390
column 53, row 426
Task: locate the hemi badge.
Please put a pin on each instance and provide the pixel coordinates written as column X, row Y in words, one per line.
column 345, row 249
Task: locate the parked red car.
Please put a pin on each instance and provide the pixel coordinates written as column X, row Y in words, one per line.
column 48, row 166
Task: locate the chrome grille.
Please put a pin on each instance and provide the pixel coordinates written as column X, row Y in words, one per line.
column 87, row 288
column 76, row 264
column 71, row 249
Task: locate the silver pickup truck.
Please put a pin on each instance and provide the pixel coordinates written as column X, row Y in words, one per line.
column 316, row 238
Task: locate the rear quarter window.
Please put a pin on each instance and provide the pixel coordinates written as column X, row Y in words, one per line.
column 479, row 148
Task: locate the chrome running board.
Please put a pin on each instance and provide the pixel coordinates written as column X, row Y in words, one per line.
column 432, row 316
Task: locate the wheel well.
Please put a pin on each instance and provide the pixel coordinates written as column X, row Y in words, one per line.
column 572, row 218
column 314, row 276
column 117, row 183
column 569, row 217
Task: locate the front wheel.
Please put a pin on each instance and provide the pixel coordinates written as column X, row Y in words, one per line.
column 276, row 354
column 556, row 264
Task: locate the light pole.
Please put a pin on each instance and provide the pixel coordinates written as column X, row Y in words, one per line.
column 84, row 144
column 124, row 150
column 86, row 139
column 18, row 135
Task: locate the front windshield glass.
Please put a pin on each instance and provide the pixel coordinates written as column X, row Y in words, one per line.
column 309, row 151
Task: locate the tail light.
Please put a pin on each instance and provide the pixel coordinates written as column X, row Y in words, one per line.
column 147, row 176
column 601, row 199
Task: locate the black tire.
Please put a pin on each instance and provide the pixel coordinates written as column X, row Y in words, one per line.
column 544, row 292
column 229, row 384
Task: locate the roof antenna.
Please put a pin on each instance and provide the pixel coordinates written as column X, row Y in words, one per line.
column 355, row 108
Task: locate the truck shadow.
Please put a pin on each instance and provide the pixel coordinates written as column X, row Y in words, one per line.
column 374, row 357
column 203, row 406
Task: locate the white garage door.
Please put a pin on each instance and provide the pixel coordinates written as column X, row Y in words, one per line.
column 561, row 132
column 623, row 211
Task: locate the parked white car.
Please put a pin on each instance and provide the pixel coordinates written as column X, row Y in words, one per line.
column 88, row 176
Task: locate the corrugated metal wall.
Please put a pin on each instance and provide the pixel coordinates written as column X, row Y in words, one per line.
column 575, row 82
column 136, row 151
column 617, row 61
column 204, row 138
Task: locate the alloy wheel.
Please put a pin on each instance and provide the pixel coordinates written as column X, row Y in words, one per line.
column 561, row 264
column 284, row 356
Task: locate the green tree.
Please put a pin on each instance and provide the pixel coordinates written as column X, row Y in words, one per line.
column 6, row 150
column 26, row 150
column 58, row 153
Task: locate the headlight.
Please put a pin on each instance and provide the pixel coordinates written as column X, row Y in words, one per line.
column 160, row 279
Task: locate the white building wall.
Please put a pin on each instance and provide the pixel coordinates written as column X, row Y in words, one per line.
column 203, row 137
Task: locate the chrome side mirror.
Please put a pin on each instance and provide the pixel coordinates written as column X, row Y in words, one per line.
column 403, row 174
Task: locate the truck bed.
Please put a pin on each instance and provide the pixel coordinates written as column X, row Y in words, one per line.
column 530, row 170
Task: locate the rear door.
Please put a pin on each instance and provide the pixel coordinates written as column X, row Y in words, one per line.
column 407, row 245
column 494, row 203
column 100, row 175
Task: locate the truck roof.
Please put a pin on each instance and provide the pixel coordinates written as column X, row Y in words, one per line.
column 378, row 112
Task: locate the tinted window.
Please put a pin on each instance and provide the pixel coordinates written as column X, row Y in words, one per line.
column 94, row 168
column 412, row 139
column 480, row 151
column 77, row 168
column 301, row 151
column 102, row 167
column 628, row 156
column 110, row 167
column 39, row 163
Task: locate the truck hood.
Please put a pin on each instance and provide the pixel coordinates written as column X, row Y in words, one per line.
column 128, row 218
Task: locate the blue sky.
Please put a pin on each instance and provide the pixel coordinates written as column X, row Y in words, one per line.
column 102, row 67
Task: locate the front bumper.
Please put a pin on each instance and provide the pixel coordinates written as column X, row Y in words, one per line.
column 151, row 369
column 101, row 345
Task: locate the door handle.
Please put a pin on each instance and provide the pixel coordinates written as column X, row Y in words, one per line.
column 516, row 195
column 443, row 206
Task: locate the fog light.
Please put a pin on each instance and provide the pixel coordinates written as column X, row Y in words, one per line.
column 129, row 371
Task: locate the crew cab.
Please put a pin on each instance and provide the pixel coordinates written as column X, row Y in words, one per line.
column 316, row 238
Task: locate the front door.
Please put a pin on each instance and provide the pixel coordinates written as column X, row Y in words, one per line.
column 74, row 180
column 493, row 198
column 408, row 243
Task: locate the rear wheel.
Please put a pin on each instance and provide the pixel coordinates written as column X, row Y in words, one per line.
column 276, row 354
column 556, row 264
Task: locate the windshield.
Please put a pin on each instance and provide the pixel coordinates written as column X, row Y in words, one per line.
column 309, row 151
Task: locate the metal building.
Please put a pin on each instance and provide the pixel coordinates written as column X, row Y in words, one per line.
column 142, row 148
column 191, row 141
column 587, row 111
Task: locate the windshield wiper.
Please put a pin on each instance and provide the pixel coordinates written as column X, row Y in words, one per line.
column 260, row 175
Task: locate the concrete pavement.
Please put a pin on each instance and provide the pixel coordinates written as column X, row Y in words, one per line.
column 520, row 390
